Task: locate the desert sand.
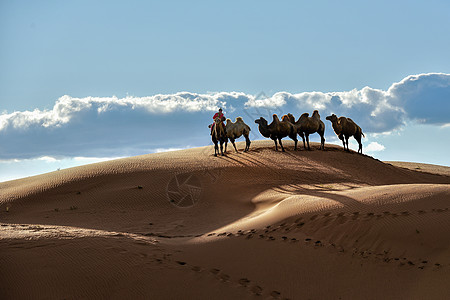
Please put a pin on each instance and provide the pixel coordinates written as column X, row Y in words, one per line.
column 257, row 225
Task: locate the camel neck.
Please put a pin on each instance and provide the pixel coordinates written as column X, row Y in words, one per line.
column 264, row 130
column 337, row 128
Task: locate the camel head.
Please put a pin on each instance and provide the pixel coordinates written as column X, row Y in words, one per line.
column 333, row 118
column 261, row 121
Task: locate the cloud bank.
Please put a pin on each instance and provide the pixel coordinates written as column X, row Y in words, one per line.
column 111, row 126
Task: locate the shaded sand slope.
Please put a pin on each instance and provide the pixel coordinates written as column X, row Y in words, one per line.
column 185, row 224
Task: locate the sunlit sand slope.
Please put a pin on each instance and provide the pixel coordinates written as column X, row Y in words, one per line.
column 188, row 225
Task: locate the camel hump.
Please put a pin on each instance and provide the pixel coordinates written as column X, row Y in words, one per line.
column 305, row 115
column 285, row 118
column 275, row 117
column 316, row 113
column 239, row 119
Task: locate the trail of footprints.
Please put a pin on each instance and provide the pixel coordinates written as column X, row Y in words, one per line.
column 341, row 218
column 286, row 227
column 243, row 282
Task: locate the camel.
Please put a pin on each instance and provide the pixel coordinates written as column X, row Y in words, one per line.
column 277, row 130
column 345, row 128
column 236, row 130
column 218, row 135
column 306, row 125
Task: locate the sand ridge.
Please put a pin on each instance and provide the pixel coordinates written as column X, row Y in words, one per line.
column 184, row 224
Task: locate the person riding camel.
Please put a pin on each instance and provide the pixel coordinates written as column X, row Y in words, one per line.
column 217, row 115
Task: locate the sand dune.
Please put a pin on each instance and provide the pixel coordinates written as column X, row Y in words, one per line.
column 187, row 225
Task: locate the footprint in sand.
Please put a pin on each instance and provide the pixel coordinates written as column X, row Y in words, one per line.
column 257, row 290
column 214, row 271
column 182, row 263
column 341, row 219
column 196, row 269
column 313, row 217
column 275, row 294
column 249, row 236
column 288, row 229
column 224, row 277
column 355, row 215
column 244, row 281
column 421, row 212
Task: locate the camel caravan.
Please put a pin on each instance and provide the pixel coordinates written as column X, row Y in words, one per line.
column 286, row 127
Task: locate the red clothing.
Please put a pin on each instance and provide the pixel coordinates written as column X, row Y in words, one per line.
column 218, row 115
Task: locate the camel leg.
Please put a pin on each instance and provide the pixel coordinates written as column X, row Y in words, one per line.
column 247, row 143
column 276, row 145
column 282, row 148
column 346, row 141
column 234, row 145
column 303, row 138
column 307, row 140
column 322, row 140
column 216, row 148
column 341, row 137
column 226, row 143
column 221, row 147
column 358, row 139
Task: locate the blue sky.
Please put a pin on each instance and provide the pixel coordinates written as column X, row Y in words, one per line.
column 83, row 81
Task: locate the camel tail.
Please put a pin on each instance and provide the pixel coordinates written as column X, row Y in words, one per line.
column 361, row 131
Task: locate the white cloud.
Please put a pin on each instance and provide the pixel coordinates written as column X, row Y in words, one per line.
column 67, row 107
column 160, row 150
column 118, row 127
column 47, row 159
column 374, row 147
